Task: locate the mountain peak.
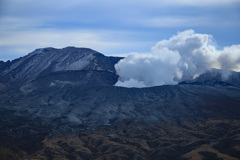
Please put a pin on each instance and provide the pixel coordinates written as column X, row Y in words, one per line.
column 69, row 49
column 43, row 61
column 77, row 48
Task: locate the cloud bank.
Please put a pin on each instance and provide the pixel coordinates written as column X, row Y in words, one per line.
column 183, row 56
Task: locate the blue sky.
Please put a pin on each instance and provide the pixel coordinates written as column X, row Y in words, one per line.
column 111, row 27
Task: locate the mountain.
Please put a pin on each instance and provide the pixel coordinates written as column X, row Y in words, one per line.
column 49, row 60
column 216, row 77
column 62, row 104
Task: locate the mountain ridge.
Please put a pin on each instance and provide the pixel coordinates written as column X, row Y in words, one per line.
column 46, row 60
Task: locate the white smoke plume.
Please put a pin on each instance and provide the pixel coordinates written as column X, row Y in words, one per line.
column 184, row 56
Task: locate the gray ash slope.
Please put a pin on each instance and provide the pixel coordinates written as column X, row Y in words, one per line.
column 48, row 60
column 72, row 104
column 74, row 87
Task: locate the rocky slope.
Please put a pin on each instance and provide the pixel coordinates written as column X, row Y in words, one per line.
column 48, row 60
column 216, row 77
column 61, row 104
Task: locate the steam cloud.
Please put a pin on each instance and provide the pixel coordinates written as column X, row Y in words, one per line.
column 184, row 56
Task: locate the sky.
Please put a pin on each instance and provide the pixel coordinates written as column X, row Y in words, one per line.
column 114, row 28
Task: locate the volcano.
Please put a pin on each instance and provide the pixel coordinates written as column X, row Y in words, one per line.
column 62, row 104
